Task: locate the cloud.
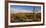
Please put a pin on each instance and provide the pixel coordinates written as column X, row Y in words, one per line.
column 13, row 10
column 24, row 11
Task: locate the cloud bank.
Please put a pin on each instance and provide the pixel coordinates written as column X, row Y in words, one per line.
column 13, row 10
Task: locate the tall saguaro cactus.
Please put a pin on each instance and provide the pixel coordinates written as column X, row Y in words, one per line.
column 34, row 12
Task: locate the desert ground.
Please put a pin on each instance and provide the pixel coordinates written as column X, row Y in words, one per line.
column 25, row 17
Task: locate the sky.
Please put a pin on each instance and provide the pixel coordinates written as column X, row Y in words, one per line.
column 24, row 9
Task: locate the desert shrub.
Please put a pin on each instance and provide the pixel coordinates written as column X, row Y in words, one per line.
column 38, row 15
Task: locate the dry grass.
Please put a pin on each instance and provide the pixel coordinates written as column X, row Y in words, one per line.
column 25, row 17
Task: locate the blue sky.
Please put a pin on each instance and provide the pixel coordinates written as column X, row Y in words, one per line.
column 18, row 7
column 27, row 8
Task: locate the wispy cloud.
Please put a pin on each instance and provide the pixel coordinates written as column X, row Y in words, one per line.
column 13, row 10
column 24, row 11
